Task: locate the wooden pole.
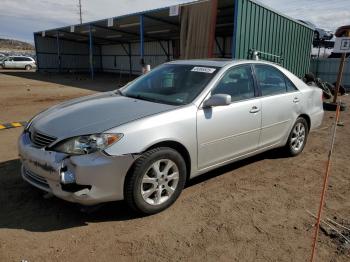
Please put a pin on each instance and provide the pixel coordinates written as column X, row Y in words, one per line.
column 214, row 10
column 340, row 73
column 325, row 183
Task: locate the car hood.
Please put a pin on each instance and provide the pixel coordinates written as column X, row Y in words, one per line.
column 93, row 114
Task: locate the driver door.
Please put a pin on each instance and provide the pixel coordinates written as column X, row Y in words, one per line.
column 9, row 63
column 228, row 132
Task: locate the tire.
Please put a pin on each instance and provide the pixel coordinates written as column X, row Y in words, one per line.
column 296, row 134
column 327, row 92
column 342, row 90
column 149, row 192
column 28, row 67
column 1, row 67
column 330, row 106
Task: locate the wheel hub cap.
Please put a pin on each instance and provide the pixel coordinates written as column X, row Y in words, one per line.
column 298, row 137
column 159, row 182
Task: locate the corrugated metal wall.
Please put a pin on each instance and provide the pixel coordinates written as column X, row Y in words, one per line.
column 327, row 70
column 116, row 59
column 74, row 56
column 260, row 28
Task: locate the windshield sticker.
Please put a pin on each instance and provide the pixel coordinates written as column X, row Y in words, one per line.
column 207, row 70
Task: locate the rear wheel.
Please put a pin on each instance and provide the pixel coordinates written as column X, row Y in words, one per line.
column 1, row 67
column 28, row 67
column 297, row 137
column 156, row 180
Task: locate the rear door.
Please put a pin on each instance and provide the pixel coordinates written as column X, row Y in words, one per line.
column 19, row 62
column 280, row 104
column 227, row 132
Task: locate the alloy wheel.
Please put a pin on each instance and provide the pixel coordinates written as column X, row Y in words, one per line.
column 298, row 137
column 159, row 182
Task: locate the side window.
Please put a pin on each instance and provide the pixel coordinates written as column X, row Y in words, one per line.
column 17, row 59
column 290, row 86
column 271, row 81
column 237, row 82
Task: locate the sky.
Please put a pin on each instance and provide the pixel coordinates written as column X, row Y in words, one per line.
column 20, row 18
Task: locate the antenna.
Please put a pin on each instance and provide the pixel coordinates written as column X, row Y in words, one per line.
column 80, row 13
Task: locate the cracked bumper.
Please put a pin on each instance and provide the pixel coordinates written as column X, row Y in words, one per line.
column 102, row 175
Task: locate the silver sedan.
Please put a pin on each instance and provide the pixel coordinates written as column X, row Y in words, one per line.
column 142, row 143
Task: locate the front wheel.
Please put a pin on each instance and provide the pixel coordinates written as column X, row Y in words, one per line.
column 297, row 137
column 28, row 67
column 156, row 180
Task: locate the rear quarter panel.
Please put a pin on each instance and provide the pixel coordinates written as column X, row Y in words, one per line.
column 312, row 103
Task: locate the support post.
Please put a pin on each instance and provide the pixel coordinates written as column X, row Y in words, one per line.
column 58, row 51
column 212, row 38
column 168, row 54
column 36, row 51
column 340, row 73
column 91, row 55
column 234, row 40
column 142, row 47
column 130, row 60
column 101, row 62
column 224, row 46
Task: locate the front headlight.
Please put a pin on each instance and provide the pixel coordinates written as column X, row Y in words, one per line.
column 87, row 144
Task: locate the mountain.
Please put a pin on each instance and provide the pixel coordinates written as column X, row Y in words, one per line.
column 15, row 45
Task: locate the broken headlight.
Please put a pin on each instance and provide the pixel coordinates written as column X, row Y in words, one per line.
column 87, row 144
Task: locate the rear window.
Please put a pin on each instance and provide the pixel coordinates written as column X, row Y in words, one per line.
column 20, row 59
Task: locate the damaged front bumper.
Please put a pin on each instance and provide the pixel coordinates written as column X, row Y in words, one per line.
column 85, row 179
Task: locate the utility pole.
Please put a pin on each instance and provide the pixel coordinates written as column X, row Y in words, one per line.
column 80, row 14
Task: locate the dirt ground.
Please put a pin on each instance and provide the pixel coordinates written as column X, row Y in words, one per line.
column 253, row 210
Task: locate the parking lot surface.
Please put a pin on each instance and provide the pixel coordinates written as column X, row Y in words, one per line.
column 252, row 210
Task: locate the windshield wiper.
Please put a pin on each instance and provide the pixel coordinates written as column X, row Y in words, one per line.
column 145, row 98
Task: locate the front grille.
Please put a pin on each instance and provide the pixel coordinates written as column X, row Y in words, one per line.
column 41, row 140
column 36, row 179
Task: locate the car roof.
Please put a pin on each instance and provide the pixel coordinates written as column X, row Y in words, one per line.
column 19, row 56
column 217, row 62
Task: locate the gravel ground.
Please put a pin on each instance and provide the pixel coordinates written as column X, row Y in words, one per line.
column 252, row 210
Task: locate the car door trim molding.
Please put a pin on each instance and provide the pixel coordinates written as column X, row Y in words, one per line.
column 227, row 137
column 275, row 124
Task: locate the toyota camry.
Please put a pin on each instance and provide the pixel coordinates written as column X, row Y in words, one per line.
column 143, row 142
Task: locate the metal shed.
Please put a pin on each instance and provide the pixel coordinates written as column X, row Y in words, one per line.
column 222, row 28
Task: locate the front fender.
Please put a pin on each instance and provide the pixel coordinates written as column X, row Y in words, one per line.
column 178, row 125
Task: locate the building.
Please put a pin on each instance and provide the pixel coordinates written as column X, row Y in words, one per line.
column 199, row 29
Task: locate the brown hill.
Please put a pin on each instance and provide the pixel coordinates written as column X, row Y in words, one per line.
column 11, row 44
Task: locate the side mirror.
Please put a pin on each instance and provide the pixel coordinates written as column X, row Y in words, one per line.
column 217, row 100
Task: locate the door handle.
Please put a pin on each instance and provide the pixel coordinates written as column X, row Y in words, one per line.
column 254, row 109
column 296, row 100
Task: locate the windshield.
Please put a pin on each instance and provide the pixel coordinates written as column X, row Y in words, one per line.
column 172, row 84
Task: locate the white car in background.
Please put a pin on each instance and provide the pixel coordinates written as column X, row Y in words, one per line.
column 319, row 33
column 18, row 62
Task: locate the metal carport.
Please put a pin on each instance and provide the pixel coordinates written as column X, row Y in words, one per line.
column 122, row 44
